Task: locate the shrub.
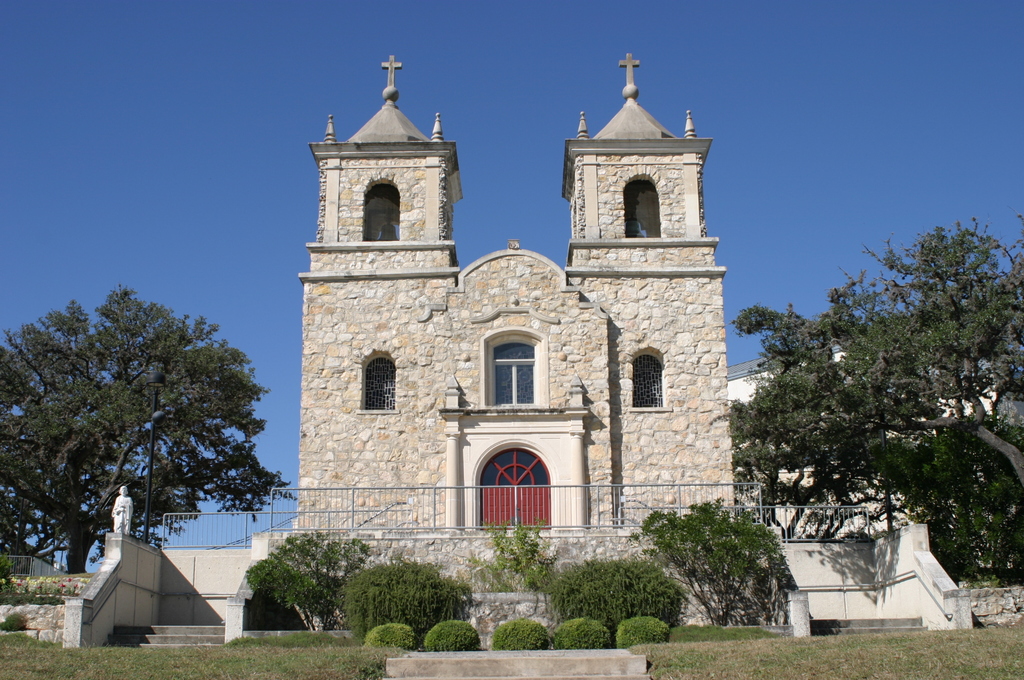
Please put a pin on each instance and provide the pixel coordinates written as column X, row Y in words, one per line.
column 391, row 635
column 403, row 592
column 6, row 567
column 582, row 633
column 641, row 630
column 522, row 560
column 309, row 573
column 14, row 622
column 452, row 636
column 610, row 591
column 520, row 634
column 733, row 566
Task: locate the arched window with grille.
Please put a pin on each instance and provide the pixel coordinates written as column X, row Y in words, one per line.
column 643, row 214
column 381, row 213
column 379, row 385
column 647, row 385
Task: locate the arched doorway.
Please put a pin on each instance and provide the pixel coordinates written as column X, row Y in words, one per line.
column 516, row 489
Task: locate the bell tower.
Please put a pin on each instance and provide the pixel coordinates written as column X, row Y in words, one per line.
column 383, row 255
column 640, row 250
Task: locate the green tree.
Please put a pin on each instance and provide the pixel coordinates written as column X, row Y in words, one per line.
column 309, row 572
column 970, row 498
column 789, row 436
column 937, row 341
column 74, row 411
column 522, row 559
column 733, row 567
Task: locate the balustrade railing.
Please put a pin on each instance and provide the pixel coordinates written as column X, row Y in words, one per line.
column 422, row 508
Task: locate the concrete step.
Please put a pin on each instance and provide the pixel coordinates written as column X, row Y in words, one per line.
column 611, row 664
column 543, row 677
column 865, row 626
column 166, row 636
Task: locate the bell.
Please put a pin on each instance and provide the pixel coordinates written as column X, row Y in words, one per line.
column 633, row 229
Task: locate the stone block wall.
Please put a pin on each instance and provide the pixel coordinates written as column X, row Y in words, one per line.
column 681, row 320
column 998, row 607
column 44, row 621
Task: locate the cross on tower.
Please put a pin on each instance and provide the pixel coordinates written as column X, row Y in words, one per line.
column 628, row 63
column 391, row 65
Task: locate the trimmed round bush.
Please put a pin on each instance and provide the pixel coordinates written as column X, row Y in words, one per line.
column 641, row 630
column 611, row 591
column 391, row 635
column 520, row 634
column 412, row 593
column 452, row 636
column 581, row 633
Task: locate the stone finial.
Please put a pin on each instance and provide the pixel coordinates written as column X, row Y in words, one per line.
column 390, row 93
column 630, row 91
column 576, row 391
column 581, row 131
column 691, row 131
column 329, row 134
column 513, row 244
column 452, row 393
column 438, row 134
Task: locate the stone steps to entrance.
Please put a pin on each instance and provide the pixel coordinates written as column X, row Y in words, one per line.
column 599, row 664
column 166, row 636
column 865, row 626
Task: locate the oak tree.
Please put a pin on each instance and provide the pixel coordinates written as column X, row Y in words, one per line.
column 74, row 415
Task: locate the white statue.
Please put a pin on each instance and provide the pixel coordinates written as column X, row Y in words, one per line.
column 122, row 512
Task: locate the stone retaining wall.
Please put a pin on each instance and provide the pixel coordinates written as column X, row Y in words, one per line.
column 998, row 607
column 45, row 621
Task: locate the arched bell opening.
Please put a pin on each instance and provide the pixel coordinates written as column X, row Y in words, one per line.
column 643, row 214
column 381, row 213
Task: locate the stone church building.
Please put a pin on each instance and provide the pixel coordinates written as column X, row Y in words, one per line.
column 513, row 370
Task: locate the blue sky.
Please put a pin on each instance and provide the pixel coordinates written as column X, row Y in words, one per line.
column 163, row 146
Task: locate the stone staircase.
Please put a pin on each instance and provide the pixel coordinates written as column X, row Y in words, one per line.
column 163, row 637
column 865, row 626
column 592, row 664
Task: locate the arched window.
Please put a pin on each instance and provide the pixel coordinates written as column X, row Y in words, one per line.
column 381, row 213
column 643, row 216
column 513, row 373
column 647, row 392
column 379, row 385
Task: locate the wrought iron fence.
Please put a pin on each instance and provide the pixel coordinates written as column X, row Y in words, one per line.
column 419, row 508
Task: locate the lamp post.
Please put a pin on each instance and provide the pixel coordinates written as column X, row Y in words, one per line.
column 154, row 379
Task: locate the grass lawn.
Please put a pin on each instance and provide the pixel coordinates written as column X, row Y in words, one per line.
column 994, row 654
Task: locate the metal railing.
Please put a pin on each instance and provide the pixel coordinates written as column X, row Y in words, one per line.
column 25, row 565
column 421, row 508
column 796, row 523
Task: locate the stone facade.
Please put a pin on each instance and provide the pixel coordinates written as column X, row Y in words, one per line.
column 408, row 301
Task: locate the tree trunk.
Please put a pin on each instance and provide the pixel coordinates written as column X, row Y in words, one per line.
column 1004, row 447
column 80, row 541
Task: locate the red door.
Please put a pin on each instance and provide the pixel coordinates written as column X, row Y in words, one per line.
column 518, row 492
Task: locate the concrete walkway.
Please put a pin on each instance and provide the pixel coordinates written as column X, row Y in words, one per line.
column 599, row 664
